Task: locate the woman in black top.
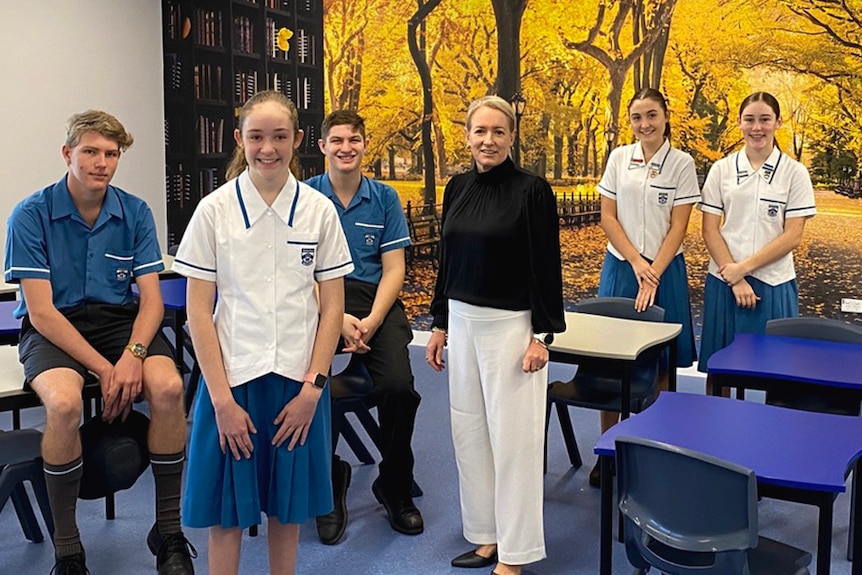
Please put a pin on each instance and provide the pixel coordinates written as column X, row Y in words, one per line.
column 498, row 296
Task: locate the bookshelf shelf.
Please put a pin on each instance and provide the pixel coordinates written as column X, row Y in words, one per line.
column 217, row 53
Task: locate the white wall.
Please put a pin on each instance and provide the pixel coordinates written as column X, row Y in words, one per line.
column 59, row 57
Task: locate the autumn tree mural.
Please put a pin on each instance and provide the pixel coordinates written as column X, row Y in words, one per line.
column 412, row 67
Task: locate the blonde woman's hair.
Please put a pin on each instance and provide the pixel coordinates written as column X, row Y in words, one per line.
column 495, row 102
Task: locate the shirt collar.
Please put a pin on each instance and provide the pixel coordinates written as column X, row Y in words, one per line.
column 253, row 207
column 62, row 205
column 656, row 164
column 363, row 193
column 766, row 171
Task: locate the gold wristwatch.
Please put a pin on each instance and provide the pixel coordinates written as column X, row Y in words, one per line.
column 139, row 350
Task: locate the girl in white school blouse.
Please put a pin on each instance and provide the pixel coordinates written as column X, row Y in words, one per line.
column 260, row 441
column 648, row 191
column 755, row 204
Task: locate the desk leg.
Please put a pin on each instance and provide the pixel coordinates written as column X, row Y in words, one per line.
column 824, row 534
column 626, row 391
column 671, row 365
column 855, row 518
column 607, row 517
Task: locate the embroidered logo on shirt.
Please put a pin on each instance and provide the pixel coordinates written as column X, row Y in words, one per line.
column 307, row 257
column 122, row 274
column 772, row 210
column 662, row 198
column 369, row 239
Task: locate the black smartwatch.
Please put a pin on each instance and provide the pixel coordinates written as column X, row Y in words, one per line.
column 316, row 379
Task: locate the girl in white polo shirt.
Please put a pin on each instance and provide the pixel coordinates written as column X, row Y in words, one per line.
column 648, row 190
column 755, row 204
column 260, row 440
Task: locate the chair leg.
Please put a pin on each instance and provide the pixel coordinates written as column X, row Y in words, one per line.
column 26, row 516
column 569, row 435
column 346, row 430
column 192, row 387
column 110, row 511
column 40, row 490
column 852, row 530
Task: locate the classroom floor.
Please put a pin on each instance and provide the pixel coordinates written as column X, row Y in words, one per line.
column 370, row 546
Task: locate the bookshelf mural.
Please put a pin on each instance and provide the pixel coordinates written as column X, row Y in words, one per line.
column 217, row 55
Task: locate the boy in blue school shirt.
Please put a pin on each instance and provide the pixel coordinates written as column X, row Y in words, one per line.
column 375, row 325
column 75, row 247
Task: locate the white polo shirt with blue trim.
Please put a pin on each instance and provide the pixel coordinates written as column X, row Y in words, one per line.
column 647, row 192
column 264, row 261
column 373, row 223
column 47, row 238
column 754, row 205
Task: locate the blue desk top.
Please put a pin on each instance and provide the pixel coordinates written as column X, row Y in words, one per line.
column 784, row 447
column 173, row 292
column 9, row 326
column 790, row 358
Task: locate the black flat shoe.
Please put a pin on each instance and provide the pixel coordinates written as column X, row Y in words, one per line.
column 404, row 517
column 472, row 560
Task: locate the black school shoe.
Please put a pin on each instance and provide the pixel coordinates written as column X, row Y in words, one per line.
column 331, row 527
column 173, row 553
column 404, row 517
column 71, row 565
column 596, row 473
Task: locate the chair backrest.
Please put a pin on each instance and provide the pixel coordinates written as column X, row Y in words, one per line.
column 353, row 380
column 815, row 328
column 684, row 508
column 620, row 307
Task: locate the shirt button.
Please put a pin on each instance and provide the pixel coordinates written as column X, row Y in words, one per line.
column 269, row 279
column 269, row 212
column 269, row 246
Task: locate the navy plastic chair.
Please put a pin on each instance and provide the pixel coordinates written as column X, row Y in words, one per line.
column 688, row 513
column 598, row 384
column 351, row 392
column 20, row 461
column 809, row 397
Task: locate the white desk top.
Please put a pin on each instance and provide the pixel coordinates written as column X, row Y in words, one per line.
column 609, row 337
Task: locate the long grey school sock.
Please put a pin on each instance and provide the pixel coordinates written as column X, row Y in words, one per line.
column 168, row 476
column 63, row 482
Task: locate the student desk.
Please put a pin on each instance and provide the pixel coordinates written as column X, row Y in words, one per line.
column 764, row 360
column 797, row 455
column 614, row 339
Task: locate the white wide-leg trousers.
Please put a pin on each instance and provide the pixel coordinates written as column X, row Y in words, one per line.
column 498, row 418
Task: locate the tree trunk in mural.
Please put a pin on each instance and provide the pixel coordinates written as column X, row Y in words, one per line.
column 614, row 60
column 508, row 14
column 417, row 53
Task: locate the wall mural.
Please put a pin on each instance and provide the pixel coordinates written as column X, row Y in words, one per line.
column 411, row 68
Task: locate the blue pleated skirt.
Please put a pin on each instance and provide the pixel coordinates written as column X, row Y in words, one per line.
column 289, row 485
column 618, row 280
column 723, row 319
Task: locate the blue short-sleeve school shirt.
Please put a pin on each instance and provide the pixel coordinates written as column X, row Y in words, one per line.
column 47, row 238
column 373, row 224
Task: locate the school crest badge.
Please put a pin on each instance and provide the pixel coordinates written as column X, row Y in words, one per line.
column 662, row 198
column 122, row 274
column 307, row 256
column 369, row 239
column 772, row 210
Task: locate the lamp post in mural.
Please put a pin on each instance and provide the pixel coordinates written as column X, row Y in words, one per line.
column 518, row 104
column 610, row 134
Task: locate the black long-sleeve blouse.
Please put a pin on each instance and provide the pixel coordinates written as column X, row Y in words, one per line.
column 500, row 246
